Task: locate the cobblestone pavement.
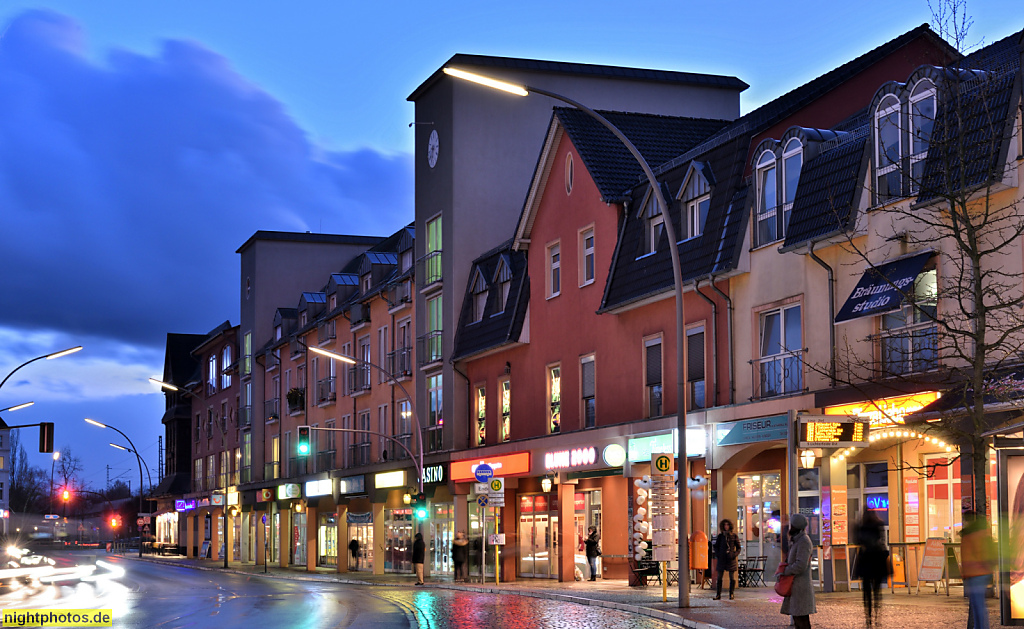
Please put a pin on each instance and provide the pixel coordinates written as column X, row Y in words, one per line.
column 443, row 609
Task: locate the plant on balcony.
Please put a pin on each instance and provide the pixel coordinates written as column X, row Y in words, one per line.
column 296, row 399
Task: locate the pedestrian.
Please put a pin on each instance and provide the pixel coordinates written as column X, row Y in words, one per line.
column 727, row 549
column 419, row 552
column 872, row 564
column 593, row 544
column 353, row 548
column 460, row 556
column 800, row 602
column 977, row 555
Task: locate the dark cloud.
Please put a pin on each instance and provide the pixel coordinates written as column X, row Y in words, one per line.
column 127, row 185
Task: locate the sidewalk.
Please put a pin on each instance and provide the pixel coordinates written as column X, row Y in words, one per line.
column 754, row 608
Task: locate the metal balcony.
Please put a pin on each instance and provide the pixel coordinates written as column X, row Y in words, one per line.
column 272, row 409
column 325, row 391
column 245, row 417
column 325, row 332
column 358, row 379
column 429, row 348
column 359, row 454
column 434, row 440
column 428, row 269
column 399, row 362
column 272, row 470
column 777, row 375
column 325, row 460
column 405, row 440
column 297, row 401
column 399, row 294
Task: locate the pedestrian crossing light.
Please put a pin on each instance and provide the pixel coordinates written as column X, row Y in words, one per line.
column 303, row 440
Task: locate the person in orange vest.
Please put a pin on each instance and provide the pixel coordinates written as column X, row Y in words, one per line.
column 978, row 559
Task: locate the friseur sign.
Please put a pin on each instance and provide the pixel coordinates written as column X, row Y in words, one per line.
column 771, row 428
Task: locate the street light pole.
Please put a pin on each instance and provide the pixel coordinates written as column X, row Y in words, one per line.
column 138, row 460
column 63, row 352
column 677, row 277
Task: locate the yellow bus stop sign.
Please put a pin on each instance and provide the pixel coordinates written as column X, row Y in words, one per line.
column 663, row 463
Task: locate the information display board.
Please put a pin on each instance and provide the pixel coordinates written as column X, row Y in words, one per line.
column 833, row 432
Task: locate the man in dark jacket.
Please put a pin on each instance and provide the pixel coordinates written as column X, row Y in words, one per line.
column 460, row 555
column 727, row 549
column 593, row 543
column 419, row 552
column 872, row 563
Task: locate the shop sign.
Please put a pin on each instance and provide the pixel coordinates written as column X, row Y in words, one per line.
column 514, row 464
column 265, row 495
column 289, row 491
column 322, row 487
column 833, row 432
column 359, row 518
column 203, row 502
column 887, row 411
column 352, row 485
column 579, row 503
column 527, row 504
column 434, row 474
column 876, row 502
column 496, row 539
column 217, row 500
column 912, row 515
column 576, row 457
column 232, row 497
column 774, row 428
column 642, row 448
column 614, row 455
column 384, row 480
column 184, row 505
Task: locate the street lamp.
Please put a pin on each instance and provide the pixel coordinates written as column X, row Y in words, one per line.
column 149, row 476
column 16, row 407
column 677, row 277
column 418, row 461
column 63, row 352
column 137, row 458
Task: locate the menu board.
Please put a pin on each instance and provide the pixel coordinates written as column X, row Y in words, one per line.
column 833, row 432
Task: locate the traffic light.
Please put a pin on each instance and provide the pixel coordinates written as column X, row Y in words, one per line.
column 46, row 437
column 114, row 522
column 419, row 507
column 66, row 494
column 303, row 440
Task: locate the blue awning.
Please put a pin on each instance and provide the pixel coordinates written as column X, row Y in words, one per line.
column 881, row 288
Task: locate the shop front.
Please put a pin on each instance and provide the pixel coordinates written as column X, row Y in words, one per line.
column 320, row 500
column 441, row 518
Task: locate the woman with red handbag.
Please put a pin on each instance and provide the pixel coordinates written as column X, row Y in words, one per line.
column 796, row 573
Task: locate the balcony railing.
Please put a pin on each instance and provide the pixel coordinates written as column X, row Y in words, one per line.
column 430, row 348
column 245, row 417
column 211, row 483
column 325, row 460
column 211, row 388
column 428, row 269
column 359, row 454
column 434, row 442
column 399, row 294
column 272, row 470
column 273, row 360
column 296, row 401
column 297, row 466
column 359, row 314
column 358, row 379
column 778, row 374
column 297, row 348
column 272, row 409
column 405, row 440
column 197, row 484
column 912, row 349
column 325, row 332
column 245, row 475
column 325, row 391
column 400, row 362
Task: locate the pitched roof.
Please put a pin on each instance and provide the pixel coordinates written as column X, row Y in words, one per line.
column 611, row 165
column 582, row 69
column 495, row 328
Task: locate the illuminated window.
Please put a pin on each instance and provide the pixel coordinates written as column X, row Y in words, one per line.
column 481, row 416
column 506, row 410
column 555, row 399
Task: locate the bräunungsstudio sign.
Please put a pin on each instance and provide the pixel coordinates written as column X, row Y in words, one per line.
column 881, row 289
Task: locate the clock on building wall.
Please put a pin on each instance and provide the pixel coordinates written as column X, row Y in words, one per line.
column 433, row 145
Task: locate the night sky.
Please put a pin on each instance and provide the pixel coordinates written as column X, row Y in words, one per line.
column 141, row 145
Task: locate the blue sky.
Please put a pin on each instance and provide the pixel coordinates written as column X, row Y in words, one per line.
column 141, row 143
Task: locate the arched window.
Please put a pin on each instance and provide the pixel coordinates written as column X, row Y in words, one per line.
column 767, row 199
column 888, row 150
column 225, row 363
column 792, row 162
column 922, row 121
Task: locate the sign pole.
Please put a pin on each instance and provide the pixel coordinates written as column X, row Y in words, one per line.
column 483, row 558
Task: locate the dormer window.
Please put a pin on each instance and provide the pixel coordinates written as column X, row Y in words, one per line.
column 654, row 226
column 479, row 302
column 888, row 150
column 366, row 283
column 696, row 199
column 767, row 229
column 406, row 260
column 503, row 278
column 334, row 302
column 792, row 161
column 302, row 319
column 922, row 121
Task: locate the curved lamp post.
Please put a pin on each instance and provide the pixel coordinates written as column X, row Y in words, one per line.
column 63, row 352
column 677, row 276
column 137, row 458
column 417, row 460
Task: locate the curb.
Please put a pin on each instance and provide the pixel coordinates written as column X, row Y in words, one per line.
column 541, row 594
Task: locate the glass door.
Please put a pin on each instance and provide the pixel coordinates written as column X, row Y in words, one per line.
column 443, row 525
column 942, row 496
column 398, row 547
column 362, row 533
column 537, row 537
column 758, row 518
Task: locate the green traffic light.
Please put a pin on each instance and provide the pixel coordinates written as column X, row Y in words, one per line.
column 421, row 514
column 303, row 448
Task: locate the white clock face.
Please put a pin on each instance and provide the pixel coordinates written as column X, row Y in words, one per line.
column 433, row 145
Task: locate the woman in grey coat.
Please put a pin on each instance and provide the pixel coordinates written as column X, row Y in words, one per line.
column 800, row 603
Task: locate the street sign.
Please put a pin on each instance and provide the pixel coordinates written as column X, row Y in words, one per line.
column 481, row 500
column 663, row 463
column 497, row 500
column 496, row 486
column 662, row 508
column 833, row 431
column 483, row 473
column 496, row 539
column 139, row 522
column 51, row 516
column 145, row 529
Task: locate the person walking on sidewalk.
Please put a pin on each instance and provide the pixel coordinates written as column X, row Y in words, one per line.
column 800, row 602
column 353, row 547
column 977, row 554
column 871, row 566
column 460, row 556
column 593, row 543
column 727, row 549
column 419, row 553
